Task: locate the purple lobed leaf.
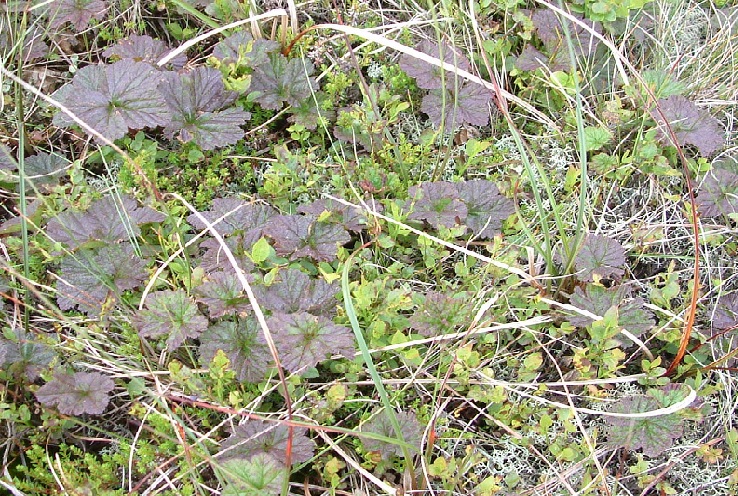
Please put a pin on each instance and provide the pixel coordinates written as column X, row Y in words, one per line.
column 486, row 207
column 690, row 124
column 654, row 435
column 89, row 276
column 725, row 313
column 238, row 215
column 77, row 12
column 441, row 314
column 114, row 98
column 598, row 300
column 143, row 48
column 436, row 203
column 110, row 219
column 294, row 291
column 283, row 81
column 78, row 393
column 302, row 236
column 718, row 194
column 412, row 433
column 223, row 294
column 240, row 47
column 215, row 259
column 194, row 99
column 243, row 343
column 469, row 105
column 257, row 437
column 599, row 256
column 304, row 340
column 25, row 354
column 429, row 76
column 172, row 314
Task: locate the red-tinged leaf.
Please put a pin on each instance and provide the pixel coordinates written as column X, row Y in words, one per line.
column 351, row 219
column 725, row 313
column 295, row 291
column 436, row 203
column 550, row 31
column 429, row 76
column 531, row 59
column 88, row 277
column 78, row 393
column 256, row 437
column 223, row 294
column 486, row 207
column 654, row 435
column 718, row 194
column 143, row 48
column 304, row 340
column 236, row 215
column 440, row 314
column 599, row 300
column 215, row 259
column 25, row 354
column 77, row 12
column 412, row 433
column 302, row 236
column 469, row 105
column 283, row 81
column 108, row 220
column 172, row 314
column 241, row 48
column 599, row 256
column 114, row 98
column 243, row 343
column 194, row 99
column 691, row 125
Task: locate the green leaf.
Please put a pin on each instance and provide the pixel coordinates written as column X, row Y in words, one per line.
column 595, row 137
column 260, row 475
column 261, row 251
column 172, row 314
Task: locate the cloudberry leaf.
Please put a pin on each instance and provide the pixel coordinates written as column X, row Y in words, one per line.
column 654, row 435
column 78, row 393
column 238, row 215
column 550, row 31
column 143, row 48
column 194, row 99
column 470, row 105
column 599, row 256
column 295, row 291
column 486, row 207
column 215, row 259
column 725, row 313
column 303, row 340
column 23, row 353
column 412, row 433
column 223, row 294
column 429, row 76
column 718, row 194
column 259, row 475
column 599, row 300
column 45, row 168
column 303, row 236
column 436, row 203
column 531, row 59
column 34, row 47
column 283, row 81
column 243, row 343
column 77, row 12
column 691, row 125
column 89, row 276
column 258, row 438
column 440, row 314
column 310, row 113
column 241, row 48
column 108, row 220
column 351, row 219
column 114, row 98
column 172, row 314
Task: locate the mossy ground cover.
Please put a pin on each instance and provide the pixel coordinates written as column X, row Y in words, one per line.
column 339, row 248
